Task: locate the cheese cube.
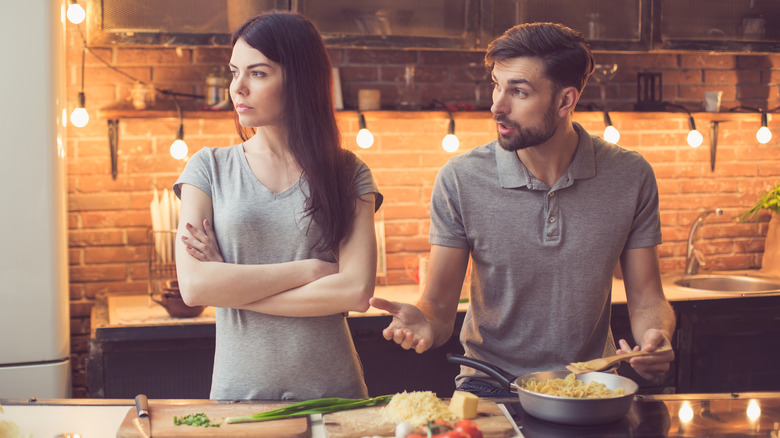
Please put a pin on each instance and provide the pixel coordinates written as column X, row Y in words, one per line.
column 464, row 404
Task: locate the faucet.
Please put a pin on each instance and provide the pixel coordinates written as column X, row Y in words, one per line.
column 695, row 258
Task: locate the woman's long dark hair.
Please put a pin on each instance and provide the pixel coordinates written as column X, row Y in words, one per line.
column 292, row 41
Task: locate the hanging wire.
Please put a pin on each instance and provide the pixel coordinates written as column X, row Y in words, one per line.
column 131, row 77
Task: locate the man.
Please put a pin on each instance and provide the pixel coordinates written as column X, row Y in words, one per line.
column 546, row 212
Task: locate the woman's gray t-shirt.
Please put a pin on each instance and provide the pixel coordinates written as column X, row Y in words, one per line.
column 260, row 356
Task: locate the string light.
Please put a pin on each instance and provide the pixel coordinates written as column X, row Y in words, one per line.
column 365, row 139
column 80, row 117
column 763, row 135
column 695, row 138
column 611, row 134
column 450, row 142
column 75, row 13
column 179, row 148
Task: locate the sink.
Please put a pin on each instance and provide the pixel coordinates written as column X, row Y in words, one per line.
column 737, row 283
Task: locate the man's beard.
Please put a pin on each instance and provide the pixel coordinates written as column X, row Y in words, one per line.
column 525, row 138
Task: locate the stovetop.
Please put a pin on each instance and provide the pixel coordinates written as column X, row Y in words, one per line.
column 736, row 415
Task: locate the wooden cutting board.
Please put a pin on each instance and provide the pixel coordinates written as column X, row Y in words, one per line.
column 162, row 414
column 369, row 422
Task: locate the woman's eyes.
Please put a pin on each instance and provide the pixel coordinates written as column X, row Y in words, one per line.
column 253, row 73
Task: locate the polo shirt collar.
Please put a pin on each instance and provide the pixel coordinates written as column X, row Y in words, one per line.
column 512, row 173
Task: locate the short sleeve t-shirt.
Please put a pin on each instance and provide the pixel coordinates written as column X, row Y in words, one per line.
column 543, row 257
column 260, row 356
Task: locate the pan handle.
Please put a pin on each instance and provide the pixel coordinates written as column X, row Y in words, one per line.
column 503, row 377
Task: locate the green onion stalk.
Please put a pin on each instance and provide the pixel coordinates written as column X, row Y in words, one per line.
column 308, row 407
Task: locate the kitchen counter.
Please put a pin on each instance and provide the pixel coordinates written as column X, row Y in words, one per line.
column 131, row 334
column 689, row 415
column 139, row 310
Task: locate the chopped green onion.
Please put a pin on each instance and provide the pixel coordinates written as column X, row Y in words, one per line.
column 199, row 419
column 308, row 407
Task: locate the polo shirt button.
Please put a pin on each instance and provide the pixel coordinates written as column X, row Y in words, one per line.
column 552, row 219
column 551, row 194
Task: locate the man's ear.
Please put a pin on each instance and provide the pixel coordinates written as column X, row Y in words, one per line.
column 567, row 100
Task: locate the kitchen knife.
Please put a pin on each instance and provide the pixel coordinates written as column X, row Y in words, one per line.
column 143, row 423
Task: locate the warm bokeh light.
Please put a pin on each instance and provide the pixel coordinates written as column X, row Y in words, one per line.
column 686, row 412
column 611, row 134
column 76, row 13
column 79, row 117
column 763, row 135
column 695, row 139
column 365, row 139
column 753, row 410
column 450, row 143
column 179, row 149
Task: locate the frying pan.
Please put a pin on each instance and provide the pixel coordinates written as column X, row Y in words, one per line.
column 564, row 410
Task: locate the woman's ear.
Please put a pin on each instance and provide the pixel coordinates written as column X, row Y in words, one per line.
column 567, row 100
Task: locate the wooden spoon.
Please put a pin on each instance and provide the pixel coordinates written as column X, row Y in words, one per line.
column 606, row 362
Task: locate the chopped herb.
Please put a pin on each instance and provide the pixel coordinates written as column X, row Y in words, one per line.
column 200, row 419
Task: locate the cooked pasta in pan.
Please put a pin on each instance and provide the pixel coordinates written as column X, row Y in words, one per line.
column 570, row 387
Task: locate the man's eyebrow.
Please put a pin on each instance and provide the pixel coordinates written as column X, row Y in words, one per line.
column 519, row 81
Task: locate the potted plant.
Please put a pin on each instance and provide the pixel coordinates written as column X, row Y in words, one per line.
column 770, row 200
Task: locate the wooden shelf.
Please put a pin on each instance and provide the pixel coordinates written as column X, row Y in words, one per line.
column 162, row 110
column 189, row 111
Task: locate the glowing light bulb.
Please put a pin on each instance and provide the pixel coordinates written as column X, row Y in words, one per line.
column 686, row 412
column 179, row 149
column 763, row 135
column 753, row 410
column 450, row 143
column 611, row 134
column 76, row 13
column 695, row 138
column 79, row 117
column 365, row 139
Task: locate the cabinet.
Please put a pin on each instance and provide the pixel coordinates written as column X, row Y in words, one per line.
column 729, row 345
column 722, row 346
column 628, row 25
column 721, row 25
column 607, row 25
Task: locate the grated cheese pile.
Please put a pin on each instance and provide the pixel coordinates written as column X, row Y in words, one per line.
column 417, row 407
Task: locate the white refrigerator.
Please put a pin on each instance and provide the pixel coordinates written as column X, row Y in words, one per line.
column 34, row 298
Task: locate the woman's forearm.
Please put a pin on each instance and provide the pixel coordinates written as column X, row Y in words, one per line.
column 232, row 285
column 338, row 293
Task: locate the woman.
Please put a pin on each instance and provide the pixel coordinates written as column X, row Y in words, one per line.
column 292, row 215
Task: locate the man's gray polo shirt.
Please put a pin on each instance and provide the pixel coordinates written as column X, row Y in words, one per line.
column 543, row 257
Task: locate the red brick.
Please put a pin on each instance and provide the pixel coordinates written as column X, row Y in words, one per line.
column 701, row 60
column 94, row 238
column 379, row 57
column 97, row 273
column 104, row 254
column 152, row 56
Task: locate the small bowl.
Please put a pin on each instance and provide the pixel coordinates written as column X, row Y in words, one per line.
column 173, row 303
column 176, row 307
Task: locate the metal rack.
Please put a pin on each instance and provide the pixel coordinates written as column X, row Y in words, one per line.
column 162, row 260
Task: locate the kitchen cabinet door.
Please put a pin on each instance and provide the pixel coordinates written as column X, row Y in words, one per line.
column 438, row 24
column 607, row 25
column 723, row 25
column 730, row 345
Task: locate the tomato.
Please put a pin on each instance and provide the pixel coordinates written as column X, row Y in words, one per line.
column 469, row 428
column 452, row 434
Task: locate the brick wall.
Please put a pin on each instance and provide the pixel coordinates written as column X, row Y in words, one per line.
column 109, row 219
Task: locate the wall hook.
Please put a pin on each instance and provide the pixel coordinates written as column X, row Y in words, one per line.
column 713, row 142
column 113, row 144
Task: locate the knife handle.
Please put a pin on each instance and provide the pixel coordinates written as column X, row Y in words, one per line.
column 142, row 405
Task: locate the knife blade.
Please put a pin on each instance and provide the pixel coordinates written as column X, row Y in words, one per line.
column 143, row 423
